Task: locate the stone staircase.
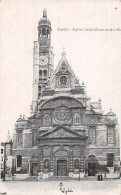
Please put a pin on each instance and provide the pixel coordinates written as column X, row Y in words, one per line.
column 31, row 178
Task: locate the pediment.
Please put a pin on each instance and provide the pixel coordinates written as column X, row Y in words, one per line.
column 64, row 70
column 61, row 132
column 62, row 101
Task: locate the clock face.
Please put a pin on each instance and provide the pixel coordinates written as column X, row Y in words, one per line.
column 43, row 60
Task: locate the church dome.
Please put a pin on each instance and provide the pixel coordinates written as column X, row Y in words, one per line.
column 44, row 21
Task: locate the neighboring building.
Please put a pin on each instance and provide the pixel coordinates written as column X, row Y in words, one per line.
column 2, row 158
column 6, row 158
column 66, row 134
column 8, row 154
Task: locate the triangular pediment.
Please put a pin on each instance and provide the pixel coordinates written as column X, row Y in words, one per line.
column 60, row 132
column 64, row 71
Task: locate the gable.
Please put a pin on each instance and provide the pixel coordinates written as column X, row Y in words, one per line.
column 61, row 133
column 62, row 101
column 64, row 76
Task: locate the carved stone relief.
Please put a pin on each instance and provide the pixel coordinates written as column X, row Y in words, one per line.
column 77, row 118
column 62, row 114
column 61, row 133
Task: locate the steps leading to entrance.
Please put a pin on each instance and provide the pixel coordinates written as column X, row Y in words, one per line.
column 31, row 178
column 62, row 178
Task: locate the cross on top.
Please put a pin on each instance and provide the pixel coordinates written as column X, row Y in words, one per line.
column 63, row 53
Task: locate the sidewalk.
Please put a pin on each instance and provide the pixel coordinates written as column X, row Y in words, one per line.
column 28, row 178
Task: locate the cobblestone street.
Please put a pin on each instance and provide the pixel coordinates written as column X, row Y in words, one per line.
column 112, row 187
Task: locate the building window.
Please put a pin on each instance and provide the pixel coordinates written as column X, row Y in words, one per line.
column 48, row 33
column 45, row 73
column 110, row 158
column 63, row 81
column 92, row 132
column 44, row 32
column 110, row 135
column 76, row 164
column 19, row 161
column 1, row 158
column 1, row 151
column 40, row 73
column 20, row 137
column 35, row 138
column 1, row 166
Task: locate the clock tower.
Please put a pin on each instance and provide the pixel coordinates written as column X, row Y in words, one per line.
column 42, row 60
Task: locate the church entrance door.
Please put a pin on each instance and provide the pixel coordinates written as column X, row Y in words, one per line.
column 34, row 169
column 91, row 169
column 62, row 168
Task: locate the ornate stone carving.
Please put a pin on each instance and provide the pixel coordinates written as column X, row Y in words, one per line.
column 61, row 153
column 91, row 120
column 46, row 150
column 62, row 114
column 62, row 101
column 46, row 120
column 77, row 118
column 61, row 133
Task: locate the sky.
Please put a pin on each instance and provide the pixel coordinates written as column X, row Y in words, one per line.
column 95, row 56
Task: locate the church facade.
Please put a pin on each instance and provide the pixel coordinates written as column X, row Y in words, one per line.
column 66, row 134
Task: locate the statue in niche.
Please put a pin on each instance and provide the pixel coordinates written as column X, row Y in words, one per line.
column 47, row 120
column 77, row 118
column 46, row 164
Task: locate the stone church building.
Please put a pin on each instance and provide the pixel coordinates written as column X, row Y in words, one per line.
column 66, row 134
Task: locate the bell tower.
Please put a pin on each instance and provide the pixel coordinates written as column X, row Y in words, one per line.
column 42, row 60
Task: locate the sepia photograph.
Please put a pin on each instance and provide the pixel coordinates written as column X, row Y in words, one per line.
column 60, row 95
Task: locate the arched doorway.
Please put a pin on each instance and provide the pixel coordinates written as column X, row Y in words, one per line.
column 91, row 165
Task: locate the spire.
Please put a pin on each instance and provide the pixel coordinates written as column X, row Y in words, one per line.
column 44, row 13
column 8, row 137
column 110, row 109
column 63, row 53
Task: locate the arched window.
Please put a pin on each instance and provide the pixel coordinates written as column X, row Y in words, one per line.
column 48, row 33
column 46, row 164
column 76, row 164
column 44, row 32
column 91, row 158
column 40, row 73
column 19, row 161
column 45, row 72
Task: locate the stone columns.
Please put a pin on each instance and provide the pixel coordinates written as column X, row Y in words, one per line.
column 41, row 158
column 51, row 162
column 81, row 163
column 71, row 162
